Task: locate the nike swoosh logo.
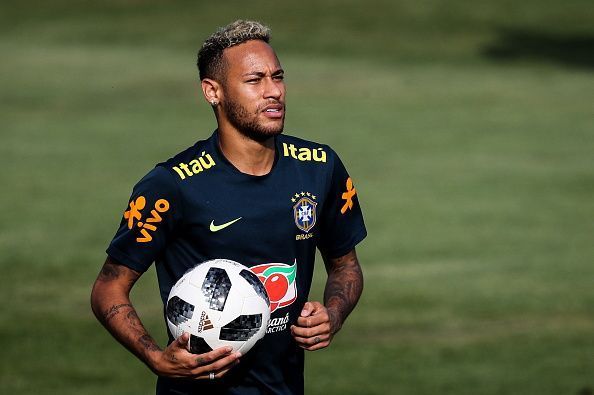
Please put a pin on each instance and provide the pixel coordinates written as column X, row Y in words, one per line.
column 216, row 228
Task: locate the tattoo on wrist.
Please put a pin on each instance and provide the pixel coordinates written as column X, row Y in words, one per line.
column 335, row 320
column 148, row 343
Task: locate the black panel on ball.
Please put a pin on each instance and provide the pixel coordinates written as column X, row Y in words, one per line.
column 255, row 282
column 198, row 345
column 178, row 310
column 216, row 287
column 241, row 328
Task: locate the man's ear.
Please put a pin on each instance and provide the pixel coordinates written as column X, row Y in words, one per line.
column 211, row 90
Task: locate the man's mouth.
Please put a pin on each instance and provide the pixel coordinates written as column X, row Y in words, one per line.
column 274, row 111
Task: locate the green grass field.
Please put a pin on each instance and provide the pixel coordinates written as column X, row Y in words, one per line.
column 467, row 126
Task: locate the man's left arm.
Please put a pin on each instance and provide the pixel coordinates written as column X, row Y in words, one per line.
column 318, row 322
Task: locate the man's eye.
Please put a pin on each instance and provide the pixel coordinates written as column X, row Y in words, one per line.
column 253, row 80
column 279, row 77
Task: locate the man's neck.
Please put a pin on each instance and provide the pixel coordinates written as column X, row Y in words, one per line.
column 248, row 156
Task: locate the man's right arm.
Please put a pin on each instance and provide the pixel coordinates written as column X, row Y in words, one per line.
column 110, row 301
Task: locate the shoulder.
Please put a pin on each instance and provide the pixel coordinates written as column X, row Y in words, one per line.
column 305, row 150
column 189, row 162
column 165, row 176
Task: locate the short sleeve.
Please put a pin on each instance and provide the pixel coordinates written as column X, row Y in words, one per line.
column 342, row 225
column 150, row 218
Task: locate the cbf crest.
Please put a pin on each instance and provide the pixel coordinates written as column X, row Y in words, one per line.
column 304, row 210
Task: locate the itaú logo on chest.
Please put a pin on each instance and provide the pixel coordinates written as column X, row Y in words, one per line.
column 304, row 154
column 196, row 166
column 279, row 279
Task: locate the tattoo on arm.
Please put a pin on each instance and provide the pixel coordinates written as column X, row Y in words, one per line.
column 115, row 310
column 343, row 287
column 149, row 344
column 133, row 319
column 110, row 271
column 133, row 323
column 110, row 301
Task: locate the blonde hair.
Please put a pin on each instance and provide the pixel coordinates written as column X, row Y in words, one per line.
column 210, row 57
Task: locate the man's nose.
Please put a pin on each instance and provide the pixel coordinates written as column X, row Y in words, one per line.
column 273, row 89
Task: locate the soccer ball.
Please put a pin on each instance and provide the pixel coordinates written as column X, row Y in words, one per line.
column 219, row 303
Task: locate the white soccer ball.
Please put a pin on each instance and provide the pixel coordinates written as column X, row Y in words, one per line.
column 219, row 303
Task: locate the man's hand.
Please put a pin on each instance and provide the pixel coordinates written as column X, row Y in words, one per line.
column 318, row 323
column 177, row 361
column 315, row 327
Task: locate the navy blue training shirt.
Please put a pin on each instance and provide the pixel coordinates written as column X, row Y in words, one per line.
column 197, row 206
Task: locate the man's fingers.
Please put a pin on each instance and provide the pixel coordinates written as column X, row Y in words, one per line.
column 313, row 343
column 299, row 331
column 182, row 341
column 312, row 320
column 218, row 374
column 314, row 347
column 311, row 308
column 307, row 309
column 182, row 363
column 218, row 365
column 211, row 356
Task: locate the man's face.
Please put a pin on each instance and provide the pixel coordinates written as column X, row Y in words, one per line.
column 253, row 99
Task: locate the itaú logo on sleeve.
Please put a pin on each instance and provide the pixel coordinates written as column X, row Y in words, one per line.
column 195, row 166
column 279, row 281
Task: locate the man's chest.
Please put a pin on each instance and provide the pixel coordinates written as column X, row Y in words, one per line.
column 253, row 215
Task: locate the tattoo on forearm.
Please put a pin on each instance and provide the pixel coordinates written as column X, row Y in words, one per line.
column 148, row 343
column 134, row 324
column 133, row 319
column 113, row 285
column 344, row 287
column 115, row 310
column 145, row 339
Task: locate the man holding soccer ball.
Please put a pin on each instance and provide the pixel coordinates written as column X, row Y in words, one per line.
column 250, row 194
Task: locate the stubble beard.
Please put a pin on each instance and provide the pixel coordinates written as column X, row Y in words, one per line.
column 247, row 124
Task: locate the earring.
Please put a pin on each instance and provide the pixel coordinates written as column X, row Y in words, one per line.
column 213, row 103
